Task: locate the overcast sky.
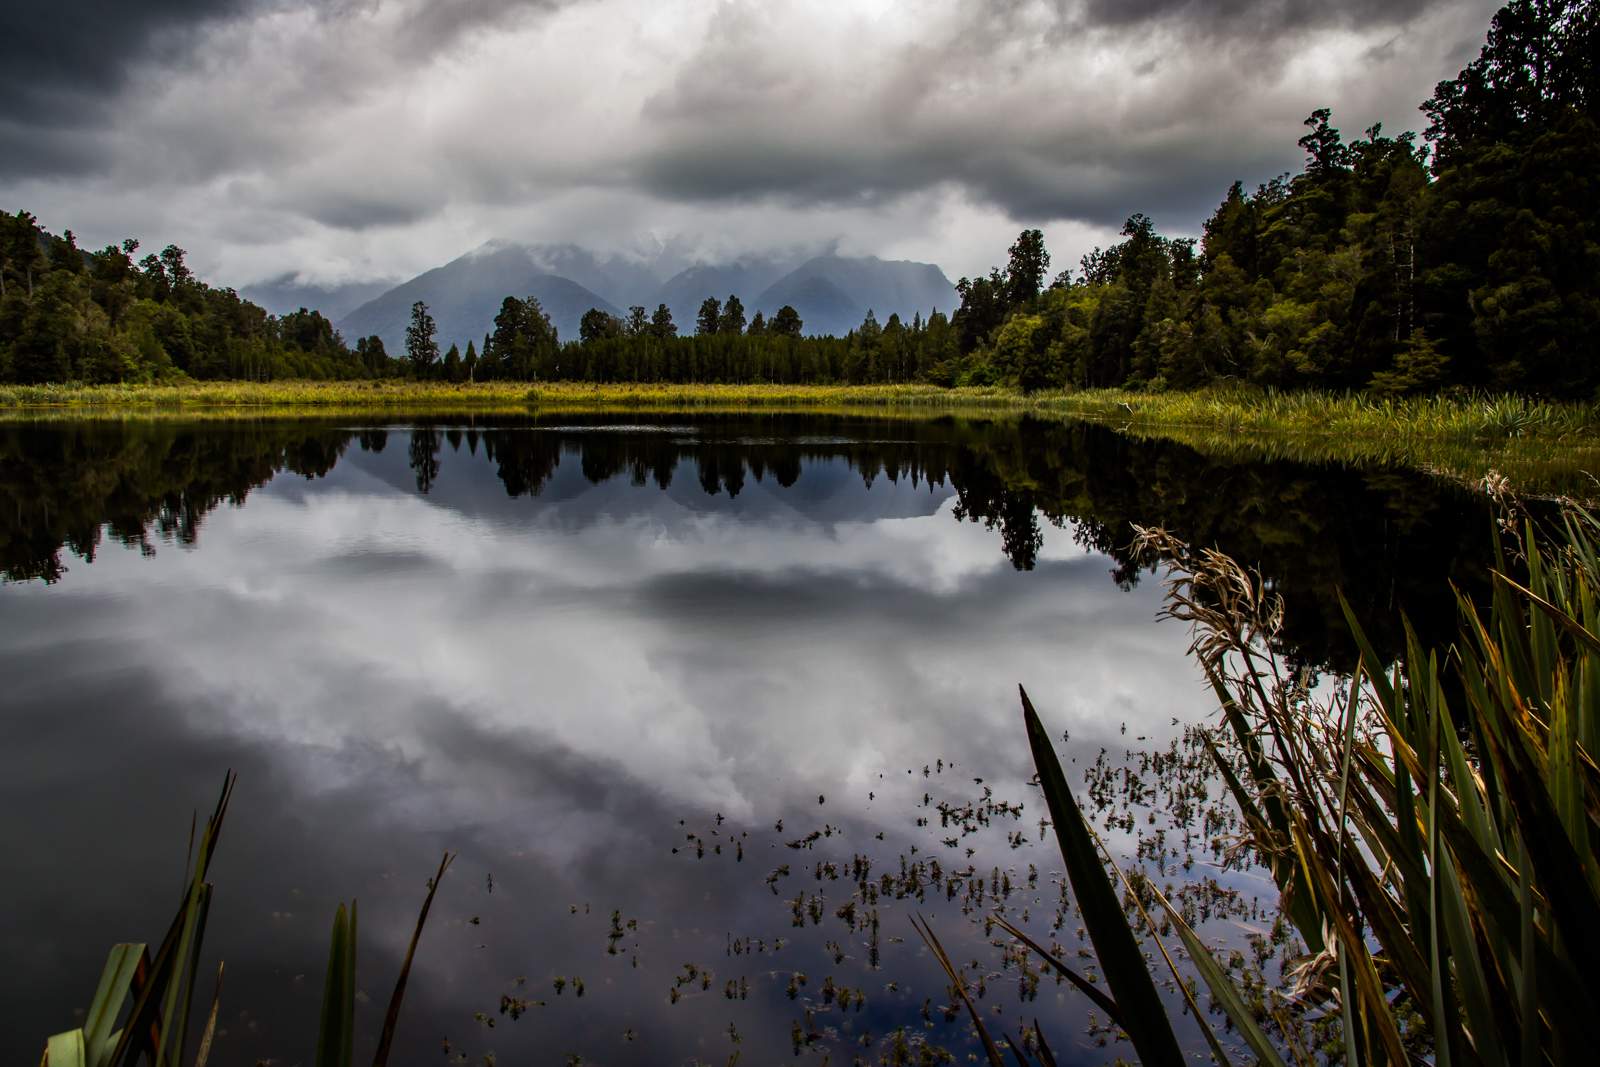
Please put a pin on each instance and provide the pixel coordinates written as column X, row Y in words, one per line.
column 357, row 139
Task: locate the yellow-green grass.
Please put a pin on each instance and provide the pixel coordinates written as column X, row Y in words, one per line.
column 1540, row 447
column 1248, row 411
column 392, row 393
column 1230, row 411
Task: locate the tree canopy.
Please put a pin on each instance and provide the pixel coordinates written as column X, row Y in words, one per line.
column 1467, row 258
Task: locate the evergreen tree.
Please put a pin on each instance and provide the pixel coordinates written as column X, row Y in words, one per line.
column 594, row 326
column 709, row 320
column 661, row 323
column 421, row 348
column 731, row 320
column 786, row 323
column 1026, row 270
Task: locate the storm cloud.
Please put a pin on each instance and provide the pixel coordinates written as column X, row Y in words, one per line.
column 353, row 139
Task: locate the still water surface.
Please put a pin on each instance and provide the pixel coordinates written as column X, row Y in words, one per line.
column 568, row 646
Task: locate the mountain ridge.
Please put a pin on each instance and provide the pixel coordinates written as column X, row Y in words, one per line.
column 831, row 292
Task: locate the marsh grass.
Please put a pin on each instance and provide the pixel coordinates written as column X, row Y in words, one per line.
column 1231, row 411
column 153, row 995
column 468, row 396
column 1536, row 447
column 1437, row 854
column 1465, row 417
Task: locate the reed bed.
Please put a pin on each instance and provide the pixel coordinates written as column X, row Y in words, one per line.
column 1464, row 417
column 1432, row 825
column 1231, row 412
column 1537, row 447
column 390, row 393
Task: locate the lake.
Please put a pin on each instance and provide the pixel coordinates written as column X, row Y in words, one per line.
column 666, row 683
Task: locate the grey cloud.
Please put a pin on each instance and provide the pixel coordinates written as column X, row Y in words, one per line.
column 363, row 208
column 64, row 67
column 310, row 124
column 1032, row 182
column 59, row 60
column 63, row 64
column 1253, row 18
column 738, row 133
column 1256, row 16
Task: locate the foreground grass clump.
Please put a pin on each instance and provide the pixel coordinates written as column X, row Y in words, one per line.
column 154, row 995
column 1436, row 854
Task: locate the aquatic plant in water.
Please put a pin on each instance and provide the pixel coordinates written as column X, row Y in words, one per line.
column 161, row 987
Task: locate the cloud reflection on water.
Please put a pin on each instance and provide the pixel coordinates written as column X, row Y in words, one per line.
column 548, row 684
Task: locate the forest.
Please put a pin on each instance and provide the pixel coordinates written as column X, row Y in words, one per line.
column 1468, row 258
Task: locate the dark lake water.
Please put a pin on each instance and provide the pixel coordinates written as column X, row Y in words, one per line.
column 603, row 657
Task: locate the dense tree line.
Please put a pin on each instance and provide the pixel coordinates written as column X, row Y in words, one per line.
column 724, row 347
column 67, row 314
column 1470, row 259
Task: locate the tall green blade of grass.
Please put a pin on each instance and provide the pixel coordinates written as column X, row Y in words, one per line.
column 336, row 1038
column 392, row 1018
column 960, row 986
column 66, row 1050
column 1121, row 961
column 1222, row 987
column 1084, row 986
column 115, row 981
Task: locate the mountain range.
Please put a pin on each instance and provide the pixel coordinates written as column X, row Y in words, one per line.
column 831, row 292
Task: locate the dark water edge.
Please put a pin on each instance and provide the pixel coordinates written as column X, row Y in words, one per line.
column 1391, row 538
column 545, row 641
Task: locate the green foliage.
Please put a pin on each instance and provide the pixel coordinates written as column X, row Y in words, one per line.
column 336, row 1036
column 421, row 348
column 785, row 323
column 1471, row 260
column 732, row 317
column 1376, row 266
column 97, row 317
column 523, row 344
column 709, row 320
column 1418, row 367
column 1433, row 838
column 153, row 995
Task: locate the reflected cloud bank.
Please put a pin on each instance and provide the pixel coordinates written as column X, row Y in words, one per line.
column 578, row 636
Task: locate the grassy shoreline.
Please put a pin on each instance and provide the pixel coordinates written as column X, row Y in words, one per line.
column 390, row 393
column 1542, row 448
column 1232, row 411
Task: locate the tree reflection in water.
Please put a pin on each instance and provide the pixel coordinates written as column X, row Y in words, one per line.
column 1389, row 538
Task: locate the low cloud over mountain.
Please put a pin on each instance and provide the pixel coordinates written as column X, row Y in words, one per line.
column 341, row 141
column 831, row 292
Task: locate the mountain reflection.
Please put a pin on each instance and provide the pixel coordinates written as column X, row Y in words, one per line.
column 1389, row 538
